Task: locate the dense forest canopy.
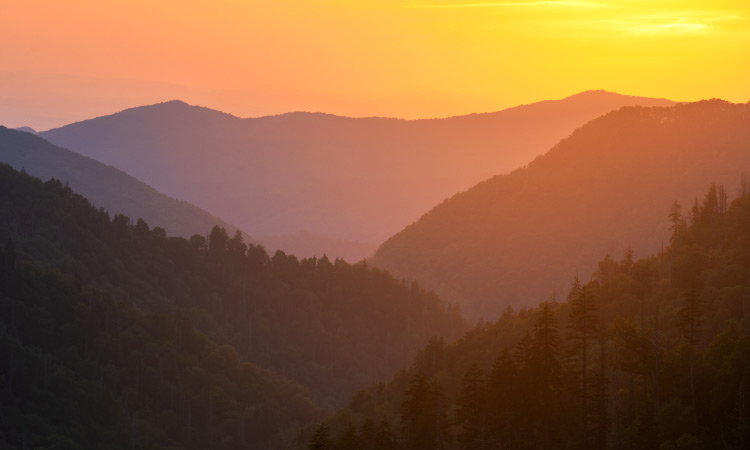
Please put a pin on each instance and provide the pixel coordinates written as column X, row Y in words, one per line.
column 329, row 326
column 82, row 369
column 516, row 238
column 650, row 353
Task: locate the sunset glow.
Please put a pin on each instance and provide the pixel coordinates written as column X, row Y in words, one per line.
column 378, row 57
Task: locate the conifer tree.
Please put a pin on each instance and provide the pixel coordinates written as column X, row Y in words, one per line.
column 676, row 223
column 423, row 417
column 689, row 320
column 350, row 440
column 582, row 323
column 471, row 412
column 385, row 438
column 503, row 402
column 543, row 374
column 321, row 439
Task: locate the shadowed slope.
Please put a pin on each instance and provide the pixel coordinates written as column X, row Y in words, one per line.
column 105, row 186
column 517, row 237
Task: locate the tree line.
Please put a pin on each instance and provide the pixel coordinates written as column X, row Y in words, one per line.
column 649, row 353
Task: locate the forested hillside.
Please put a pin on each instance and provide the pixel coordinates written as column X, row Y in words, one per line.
column 328, row 325
column 645, row 354
column 518, row 238
column 81, row 368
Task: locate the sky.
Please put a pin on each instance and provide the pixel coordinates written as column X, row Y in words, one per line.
column 72, row 60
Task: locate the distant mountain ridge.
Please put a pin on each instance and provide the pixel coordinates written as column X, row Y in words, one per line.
column 106, row 186
column 26, row 129
column 516, row 238
column 352, row 179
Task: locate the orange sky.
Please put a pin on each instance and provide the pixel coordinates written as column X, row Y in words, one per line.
column 69, row 60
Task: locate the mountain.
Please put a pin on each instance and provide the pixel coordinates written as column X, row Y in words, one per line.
column 105, row 186
column 26, row 130
column 327, row 325
column 518, row 238
column 357, row 179
column 83, row 366
column 651, row 353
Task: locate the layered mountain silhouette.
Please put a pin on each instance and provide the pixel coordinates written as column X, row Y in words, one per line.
column 105, row 186
column 338, row 178
column 496, row 382
column 328, row 325
column 518, row 238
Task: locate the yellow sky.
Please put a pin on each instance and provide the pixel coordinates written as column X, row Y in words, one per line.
column 409, row 58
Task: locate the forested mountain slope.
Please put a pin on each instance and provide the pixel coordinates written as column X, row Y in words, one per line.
column 516, row 238
column 81, row 367
column 650, row 353
column 333, row 177
column 103, row 185
column 328, row 325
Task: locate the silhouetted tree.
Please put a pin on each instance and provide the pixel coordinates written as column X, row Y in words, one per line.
column 236, row 245
column 471, row 412
column 583, row 326
column 350, row 440
column 676, row 221
column 689, row 319
column 423, row 415
column 217, row 239
column 385, row 437
column 543, row 374
column 321, row 439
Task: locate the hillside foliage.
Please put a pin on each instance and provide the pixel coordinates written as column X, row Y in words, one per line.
column 649, row 353
column 326, row 327
column 517, row 238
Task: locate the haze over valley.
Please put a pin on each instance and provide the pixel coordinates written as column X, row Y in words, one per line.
column 375, row 225
column 336, row 178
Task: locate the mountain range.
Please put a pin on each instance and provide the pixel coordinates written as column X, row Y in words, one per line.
column 521, row 237
column 333, row 178
column 650, row 353
column 105, row 186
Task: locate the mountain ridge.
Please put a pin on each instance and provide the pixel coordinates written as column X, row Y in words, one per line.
column 533, row 218
column 583, row 95
column 356, row 179
column 106, row 186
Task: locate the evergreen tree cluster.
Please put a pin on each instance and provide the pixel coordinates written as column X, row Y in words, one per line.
column 649, row 354
column 204, row 342
column 81, row 369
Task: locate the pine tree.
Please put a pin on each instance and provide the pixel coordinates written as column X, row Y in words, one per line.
column 321, row 439
column 423, row 417
column 367, row 434
column 385, row 438
column 503, row 402
column 471, row 412
column 582, row 323
column 543, row 374
column 676, row 221
column 350, row 440
column 689, row 319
